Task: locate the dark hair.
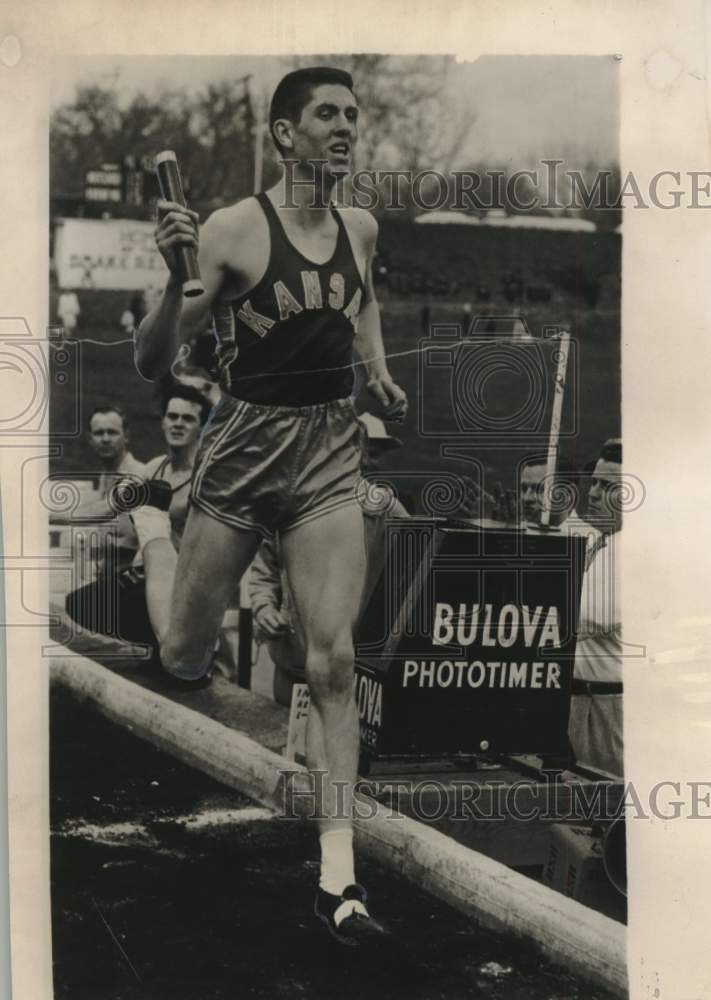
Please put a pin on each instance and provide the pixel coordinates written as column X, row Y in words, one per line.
column 611, row 451
column 294, row 91
column 176, row 390
column 109, row 409
column 565, row 470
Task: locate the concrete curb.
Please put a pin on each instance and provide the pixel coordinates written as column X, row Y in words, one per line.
column 568, row 933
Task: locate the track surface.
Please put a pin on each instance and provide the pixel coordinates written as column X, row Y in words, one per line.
column 149, row 907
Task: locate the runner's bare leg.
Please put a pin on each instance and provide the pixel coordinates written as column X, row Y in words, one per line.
column 325, row 564
column 187, row 593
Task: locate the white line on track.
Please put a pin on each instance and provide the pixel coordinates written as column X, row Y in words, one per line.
column 121, row 833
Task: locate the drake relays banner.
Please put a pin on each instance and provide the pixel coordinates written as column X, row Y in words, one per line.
column 468, row 642
column 111, row 254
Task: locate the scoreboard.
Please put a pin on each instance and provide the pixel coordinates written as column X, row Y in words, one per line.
column 130, row 182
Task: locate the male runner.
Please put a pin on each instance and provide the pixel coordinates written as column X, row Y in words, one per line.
column 280, row 451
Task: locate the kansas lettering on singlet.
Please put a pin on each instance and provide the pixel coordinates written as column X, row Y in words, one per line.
column 289, row 340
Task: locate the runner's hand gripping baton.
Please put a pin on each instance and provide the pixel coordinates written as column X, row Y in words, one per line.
column 171, row 188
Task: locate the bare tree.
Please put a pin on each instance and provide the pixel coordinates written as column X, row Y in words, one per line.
column 211, row 132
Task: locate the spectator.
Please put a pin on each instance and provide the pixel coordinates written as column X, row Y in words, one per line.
column 108, row 438
column 595, row 727
column 68, row 310
column 185, row 411
column 128, row 322
column 118, row 605
column 564, row 492
column 466, row 318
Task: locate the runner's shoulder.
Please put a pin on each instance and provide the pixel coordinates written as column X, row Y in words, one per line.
column 229, row 228
column 360, row 224
column 240, row 218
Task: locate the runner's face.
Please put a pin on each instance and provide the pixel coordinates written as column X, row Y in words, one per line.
column 605, row 497
column 327, row 129
column 107, row 436
column 181, row 423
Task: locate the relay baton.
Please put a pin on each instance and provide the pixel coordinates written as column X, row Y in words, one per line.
column 171, row 188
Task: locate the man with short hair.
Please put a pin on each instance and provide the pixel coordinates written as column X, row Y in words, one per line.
column 108, row 438
column 119, row 604
column 291, row 278
column 595, row 726
column 563, row 496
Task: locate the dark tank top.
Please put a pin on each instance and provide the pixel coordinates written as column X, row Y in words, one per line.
column 289, row 340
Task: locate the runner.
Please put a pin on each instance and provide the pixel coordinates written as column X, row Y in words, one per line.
column 290, row 277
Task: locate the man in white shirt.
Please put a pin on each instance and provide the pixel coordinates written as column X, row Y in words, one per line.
column 108, row 438
column 595, row 727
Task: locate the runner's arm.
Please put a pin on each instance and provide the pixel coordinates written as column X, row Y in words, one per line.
column 264, row 580
column 175, row 319
column 369, row 338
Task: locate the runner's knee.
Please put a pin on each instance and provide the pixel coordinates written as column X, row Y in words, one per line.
column 183, row 662
column 329, row 667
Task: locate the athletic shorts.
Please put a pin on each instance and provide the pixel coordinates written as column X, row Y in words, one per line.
column 273, row 468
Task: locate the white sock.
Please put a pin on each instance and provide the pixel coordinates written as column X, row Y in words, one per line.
column 338, row 870
column 337, row 865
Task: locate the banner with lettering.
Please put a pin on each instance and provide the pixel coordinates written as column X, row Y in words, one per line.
column 468, row 641
column 115, row 254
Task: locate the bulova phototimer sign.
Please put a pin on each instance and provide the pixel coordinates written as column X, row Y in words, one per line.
column 467, row 642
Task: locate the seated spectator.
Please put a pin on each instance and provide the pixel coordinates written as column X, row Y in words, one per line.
column 184, row 412
column 108, row 438
column 121, row 606
column 564, row 492
column 595, row 727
